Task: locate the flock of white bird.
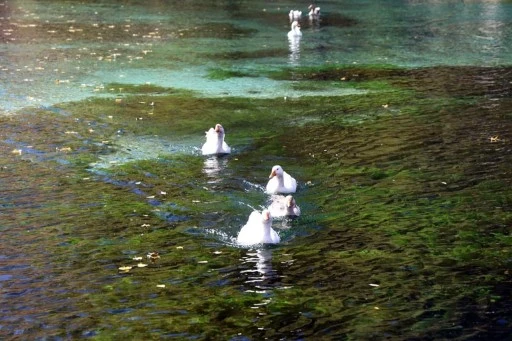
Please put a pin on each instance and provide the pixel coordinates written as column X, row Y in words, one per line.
column 258, row 229
column 296, row 16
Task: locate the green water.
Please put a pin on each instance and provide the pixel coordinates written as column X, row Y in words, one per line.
column 402, row 154
column 406, row 206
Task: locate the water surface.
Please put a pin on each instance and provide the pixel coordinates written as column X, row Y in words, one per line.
column 394, row 118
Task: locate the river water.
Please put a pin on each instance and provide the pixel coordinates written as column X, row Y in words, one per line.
column 395, row 118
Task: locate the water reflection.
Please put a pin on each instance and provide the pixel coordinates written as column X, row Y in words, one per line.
column 491, row 30
column 261, row 275
column 214, row 167
column 294, row 45
column 314, row 17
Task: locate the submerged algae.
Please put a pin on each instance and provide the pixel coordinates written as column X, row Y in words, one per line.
column 405, row 230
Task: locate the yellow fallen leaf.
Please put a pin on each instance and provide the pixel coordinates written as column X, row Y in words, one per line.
column 160, row 285
column 137, row 258
column 125, row 268
column 141, row 265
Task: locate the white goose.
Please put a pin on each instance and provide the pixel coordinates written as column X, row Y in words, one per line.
column 282, row 206
column 294, row 15
column 258, row 230
column 215, row 142
column 295, row 30
column 314, row 11
column 280, row 181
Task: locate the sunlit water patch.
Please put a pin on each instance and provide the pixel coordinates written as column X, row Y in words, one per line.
column 134, row 148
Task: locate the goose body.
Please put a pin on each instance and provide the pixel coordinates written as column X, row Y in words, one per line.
column 280, row 181
column 258, row 230
column 314, row 11
column 295, row 15
column 295, row 31
column 282, row 206
column 215, row 142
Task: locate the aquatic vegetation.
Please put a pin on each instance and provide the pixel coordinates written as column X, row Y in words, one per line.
column 405, row 201
column 221, row 74
column 349, row 72
column 243, row 54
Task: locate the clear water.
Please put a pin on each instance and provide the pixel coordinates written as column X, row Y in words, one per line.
column 393, row 116
column 61, row 51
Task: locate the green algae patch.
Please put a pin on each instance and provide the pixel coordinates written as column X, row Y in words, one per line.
column 338, row 72
column 405, row 196
column 222, row 74
column 244, row 54
column 143, row 89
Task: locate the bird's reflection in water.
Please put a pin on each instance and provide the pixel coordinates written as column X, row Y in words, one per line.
column 294, row 45
column 214, row 167
column 314, row 23
column 260, row 274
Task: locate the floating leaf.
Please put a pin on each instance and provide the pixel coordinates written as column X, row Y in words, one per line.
column 141, row 265
column 125, row 268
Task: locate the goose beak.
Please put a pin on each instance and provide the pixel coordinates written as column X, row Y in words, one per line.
column 272, row 174
column 266, row 215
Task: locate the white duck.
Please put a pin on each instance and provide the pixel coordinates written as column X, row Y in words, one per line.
column 215, row 142
column 282, row 206
column 294, row 15
column 295, row 30
column 314, row 11
column 280, row 181
column 258, row 230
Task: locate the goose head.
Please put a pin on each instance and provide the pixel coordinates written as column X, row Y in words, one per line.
column 276, row 171
column 219, row 129
column 265, row 214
